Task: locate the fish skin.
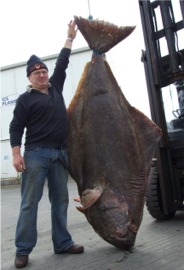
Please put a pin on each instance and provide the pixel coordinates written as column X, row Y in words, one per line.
column 110, row 148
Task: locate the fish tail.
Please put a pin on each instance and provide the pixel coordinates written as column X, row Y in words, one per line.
column 101, row 36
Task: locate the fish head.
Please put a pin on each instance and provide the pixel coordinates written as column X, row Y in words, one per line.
column 112, row 218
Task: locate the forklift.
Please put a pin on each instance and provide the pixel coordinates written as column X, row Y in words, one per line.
column 163, row 61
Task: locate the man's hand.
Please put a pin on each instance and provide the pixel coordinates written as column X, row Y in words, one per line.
column 72, row 30
column 18, row 163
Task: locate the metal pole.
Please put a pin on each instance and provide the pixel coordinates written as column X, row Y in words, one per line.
column 90, row 16
column 168, row 23
column 182, row 9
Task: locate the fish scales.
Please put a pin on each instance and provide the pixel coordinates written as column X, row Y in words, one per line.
column 110, row 143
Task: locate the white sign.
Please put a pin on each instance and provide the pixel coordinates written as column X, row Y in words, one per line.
column 9, row 100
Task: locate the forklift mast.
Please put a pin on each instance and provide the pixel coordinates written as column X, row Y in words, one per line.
column 165, row 76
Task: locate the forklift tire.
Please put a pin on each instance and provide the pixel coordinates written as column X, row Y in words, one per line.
column 154, row 199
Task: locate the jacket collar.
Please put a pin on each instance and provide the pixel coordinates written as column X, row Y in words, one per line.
column 30, row 88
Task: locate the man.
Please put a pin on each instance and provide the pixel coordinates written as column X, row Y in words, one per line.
column 41, row 110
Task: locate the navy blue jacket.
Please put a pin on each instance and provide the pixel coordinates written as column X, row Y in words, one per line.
column 44, row 116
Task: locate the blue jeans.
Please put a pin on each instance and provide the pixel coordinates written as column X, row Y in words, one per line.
column 42, row 164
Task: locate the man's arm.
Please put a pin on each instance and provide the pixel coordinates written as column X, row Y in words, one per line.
column 16, row 131
column 59, row 75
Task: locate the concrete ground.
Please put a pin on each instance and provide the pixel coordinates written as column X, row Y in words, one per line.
column 159, row 245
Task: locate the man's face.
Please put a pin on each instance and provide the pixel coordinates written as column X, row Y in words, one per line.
column 39, row 79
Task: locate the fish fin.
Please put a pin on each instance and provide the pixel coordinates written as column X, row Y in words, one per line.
column 77, row 199
column 148, row 133
column 80, row 209
column 100, row 35
column 90, row 196
column 80, row 91
column 76, row 126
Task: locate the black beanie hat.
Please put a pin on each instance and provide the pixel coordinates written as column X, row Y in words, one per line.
column 34, row 63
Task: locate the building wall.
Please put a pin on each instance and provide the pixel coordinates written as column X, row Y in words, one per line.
column 14, row 82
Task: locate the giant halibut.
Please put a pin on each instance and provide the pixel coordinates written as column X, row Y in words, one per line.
column 110, row 143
